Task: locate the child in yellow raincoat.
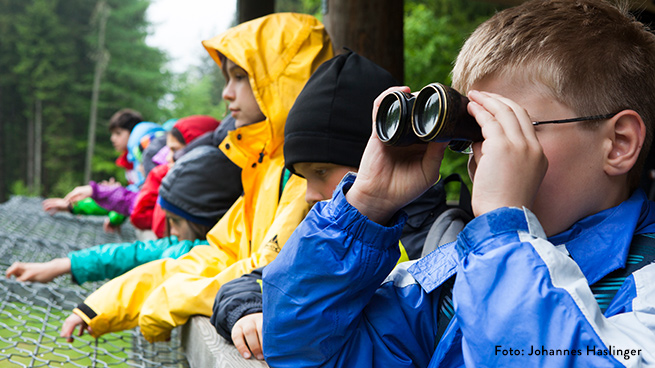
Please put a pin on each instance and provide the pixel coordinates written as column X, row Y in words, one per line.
column 267, row 62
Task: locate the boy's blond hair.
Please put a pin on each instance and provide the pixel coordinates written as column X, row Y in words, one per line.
column 589, row 54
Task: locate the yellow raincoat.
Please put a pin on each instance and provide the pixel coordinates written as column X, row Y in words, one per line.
column 279, row 52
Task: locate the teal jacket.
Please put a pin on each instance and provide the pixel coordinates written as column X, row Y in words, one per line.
column 107, row 261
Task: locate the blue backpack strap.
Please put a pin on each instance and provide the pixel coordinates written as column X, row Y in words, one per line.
column 641, row 253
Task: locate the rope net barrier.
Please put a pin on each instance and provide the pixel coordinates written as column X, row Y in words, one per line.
column 31, row 314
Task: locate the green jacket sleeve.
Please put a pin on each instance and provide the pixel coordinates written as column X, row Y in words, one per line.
column 107, row 261
column 88, row 206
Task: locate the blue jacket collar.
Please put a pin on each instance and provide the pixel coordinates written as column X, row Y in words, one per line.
column 599, row 243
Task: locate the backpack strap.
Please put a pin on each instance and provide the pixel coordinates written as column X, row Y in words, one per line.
column 450, row 222
column 641, row 253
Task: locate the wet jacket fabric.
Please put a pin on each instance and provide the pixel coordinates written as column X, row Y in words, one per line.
column 514, row 289
column 114, row 197
column 279, row 52
column 107, row 261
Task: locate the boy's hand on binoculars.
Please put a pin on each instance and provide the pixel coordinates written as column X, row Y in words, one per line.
column 509, row 164
column 390, row 177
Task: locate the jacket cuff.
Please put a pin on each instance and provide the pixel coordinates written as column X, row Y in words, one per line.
column 475, row 235
column 348, row 218
column 85, row 312
column 75, row 268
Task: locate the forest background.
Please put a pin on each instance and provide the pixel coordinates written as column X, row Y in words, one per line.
column 52, row 52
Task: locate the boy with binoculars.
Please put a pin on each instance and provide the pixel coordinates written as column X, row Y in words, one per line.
column 555, row 270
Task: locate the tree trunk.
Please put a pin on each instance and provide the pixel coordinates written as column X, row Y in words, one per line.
column 373, row 29
column 251, row 9
column 102, row 12
column 38, row 139
column 30, row 154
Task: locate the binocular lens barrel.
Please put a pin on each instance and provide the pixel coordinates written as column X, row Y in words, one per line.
column 438, row 114
column 393, row 120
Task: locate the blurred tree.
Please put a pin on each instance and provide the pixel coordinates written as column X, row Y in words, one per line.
column 199, row 91
column 44, row 56
column 46, row 75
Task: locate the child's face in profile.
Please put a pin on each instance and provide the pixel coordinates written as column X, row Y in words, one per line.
column 322, row 179
column 119, row 138
column 179, row 226
column 238, row 93
column 570, row 189
column 173, row 145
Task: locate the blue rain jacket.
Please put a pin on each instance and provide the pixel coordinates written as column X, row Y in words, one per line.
column 518, row 299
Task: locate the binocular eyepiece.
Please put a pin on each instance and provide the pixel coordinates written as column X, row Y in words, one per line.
column 437, row 114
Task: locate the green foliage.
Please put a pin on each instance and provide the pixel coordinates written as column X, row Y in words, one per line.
column 313, row 7
column 199, row 92
column 19, row 188
column 48, row 51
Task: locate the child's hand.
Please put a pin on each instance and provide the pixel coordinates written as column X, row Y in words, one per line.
column 510, row 163
column 69, row 326
column 39, row 272
column 109, row 228
column 391, row 177
column 79, row 193
column 52, row 205
column 247, row 332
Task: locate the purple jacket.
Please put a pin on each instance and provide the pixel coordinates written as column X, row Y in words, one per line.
column 114, row 197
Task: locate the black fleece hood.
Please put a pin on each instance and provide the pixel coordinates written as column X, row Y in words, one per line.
column 331, row 119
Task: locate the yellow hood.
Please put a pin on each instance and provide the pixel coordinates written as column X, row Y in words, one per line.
column 279, row 52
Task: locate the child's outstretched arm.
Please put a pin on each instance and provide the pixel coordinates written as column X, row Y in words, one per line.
column 39, row 272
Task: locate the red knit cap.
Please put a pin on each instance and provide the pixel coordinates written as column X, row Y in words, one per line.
column 191, row 127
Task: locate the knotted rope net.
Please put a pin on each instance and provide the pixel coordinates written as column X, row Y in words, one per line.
column 31, row 314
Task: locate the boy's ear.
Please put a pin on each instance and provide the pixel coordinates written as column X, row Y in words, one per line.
column 628, row 132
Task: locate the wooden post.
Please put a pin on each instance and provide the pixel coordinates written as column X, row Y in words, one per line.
column 373, row 29
column 38, row 143
column 251, row 9
column 102, row 58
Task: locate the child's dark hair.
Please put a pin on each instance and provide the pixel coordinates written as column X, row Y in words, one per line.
column 177, row 135
column 124, row 119
column 198, row 231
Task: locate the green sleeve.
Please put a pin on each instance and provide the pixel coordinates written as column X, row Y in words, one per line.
column 88, row 206
column 107, row 261
column 115, row 218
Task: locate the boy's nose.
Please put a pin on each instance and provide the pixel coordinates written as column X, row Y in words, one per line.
column 228, row 93
column 313, row 196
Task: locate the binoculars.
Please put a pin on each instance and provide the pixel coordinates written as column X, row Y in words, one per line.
column 437, row 114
